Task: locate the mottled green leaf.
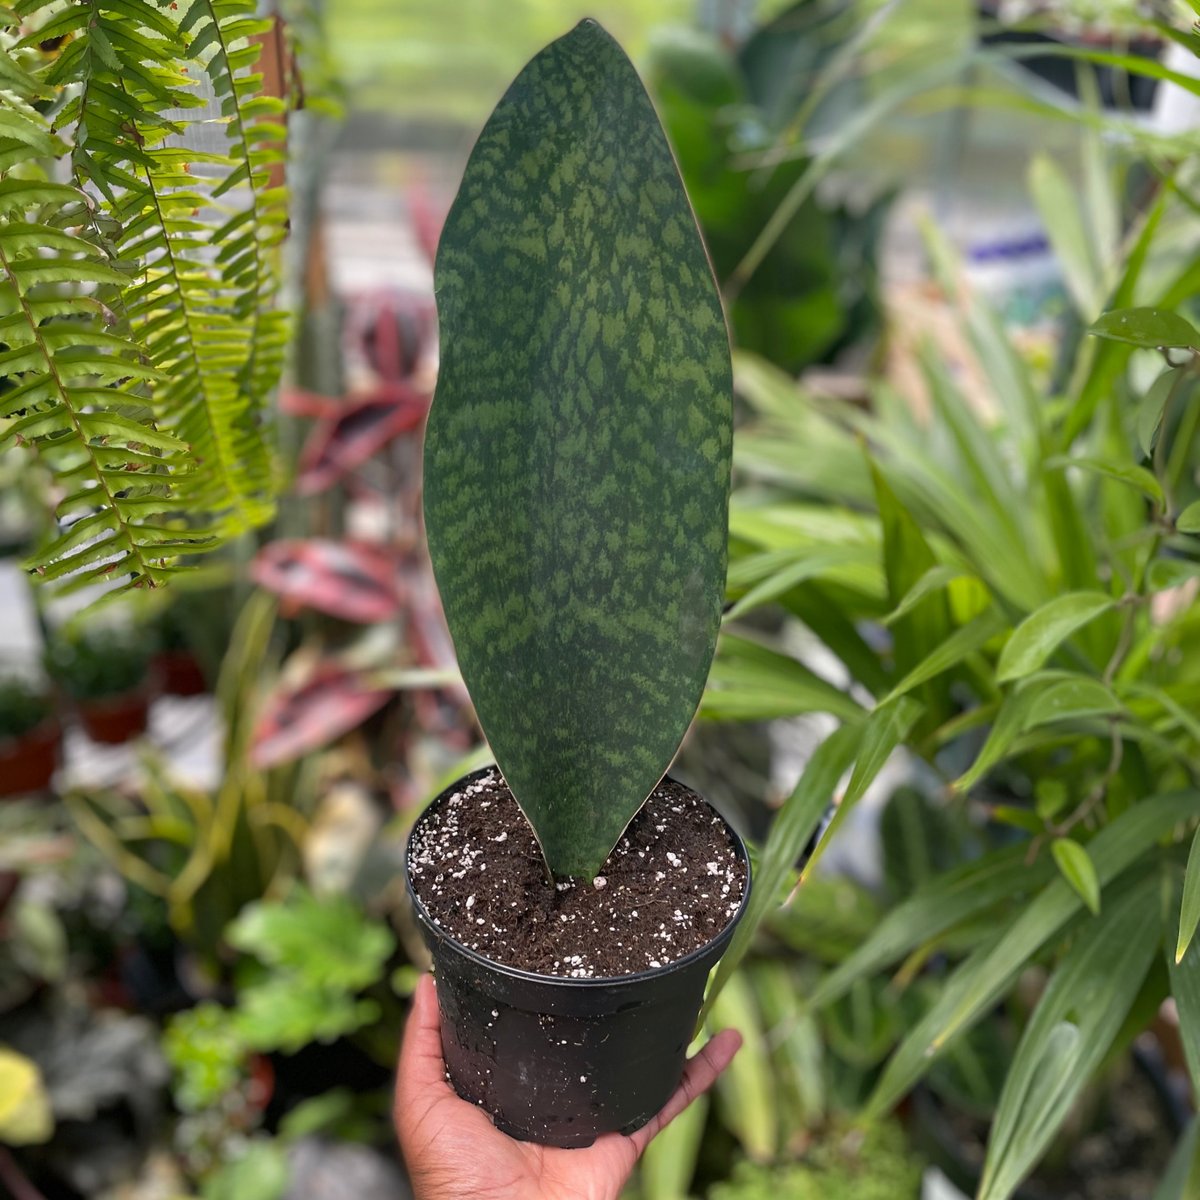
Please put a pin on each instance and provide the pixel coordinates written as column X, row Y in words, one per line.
column 1150, row 328
column 1035, row 639
column 1076, row 867
column 577, row 457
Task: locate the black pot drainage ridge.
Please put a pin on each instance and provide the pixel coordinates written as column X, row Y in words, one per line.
column 560, row 1061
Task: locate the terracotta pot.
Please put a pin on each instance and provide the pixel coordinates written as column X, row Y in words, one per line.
column 115, row 719
column 27, row 762
column 179, row 673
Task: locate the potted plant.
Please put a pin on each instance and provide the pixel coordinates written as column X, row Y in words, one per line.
column 29, row 737
column 106, row 671
column 577, row 465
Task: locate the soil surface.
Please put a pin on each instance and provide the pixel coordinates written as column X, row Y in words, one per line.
column 670, row 886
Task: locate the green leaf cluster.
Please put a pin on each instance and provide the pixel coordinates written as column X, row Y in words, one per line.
column 1015, row 569
column 23, row 706
column 138, row 277
column 871, row 1164
column 308, row 960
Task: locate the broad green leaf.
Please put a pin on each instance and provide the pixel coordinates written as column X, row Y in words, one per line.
column 1071, row 700
column 1070, row 1032
column 983, row 977
column 1189, row 907
column 1036, row 638
column 1150, row 411
column 577, row 456
column 946, row 901
column 1150, row 328
column 1077, row 870
column 1134, row 476
column 1188, row 521
column 884, row 730
column 791, row 831
column 964, row 641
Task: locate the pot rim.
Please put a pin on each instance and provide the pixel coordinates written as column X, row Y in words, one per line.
column 562, row 981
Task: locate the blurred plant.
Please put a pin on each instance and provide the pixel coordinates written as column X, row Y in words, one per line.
column 208, row 854
column 25, row 1114
column 23, row 706
column 871, row 1163
column 1012, row 591
column 814, row 292
column 307, row 962
column 92, row 661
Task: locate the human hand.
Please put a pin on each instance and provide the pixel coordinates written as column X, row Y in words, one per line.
column 454, row 1152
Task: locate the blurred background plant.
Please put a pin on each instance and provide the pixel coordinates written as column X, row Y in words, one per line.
column 958, row 245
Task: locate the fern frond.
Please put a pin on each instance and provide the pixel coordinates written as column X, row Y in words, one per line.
column 69, row 400
column 177, row 251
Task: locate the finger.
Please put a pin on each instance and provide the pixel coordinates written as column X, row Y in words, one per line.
column 421, row 1067
column 698, row 1076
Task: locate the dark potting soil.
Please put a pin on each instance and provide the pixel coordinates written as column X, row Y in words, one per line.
column 671, row 884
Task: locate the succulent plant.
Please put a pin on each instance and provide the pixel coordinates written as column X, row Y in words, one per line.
column 578, row 452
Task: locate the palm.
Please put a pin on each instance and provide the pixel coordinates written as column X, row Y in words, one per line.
column 453, row 1150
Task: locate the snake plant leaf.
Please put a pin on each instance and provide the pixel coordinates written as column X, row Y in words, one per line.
column 577, row 457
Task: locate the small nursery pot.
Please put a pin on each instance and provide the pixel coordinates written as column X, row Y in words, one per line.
column 115, row 719
column 558, row 1060
column 180, row 673
column 27, row 762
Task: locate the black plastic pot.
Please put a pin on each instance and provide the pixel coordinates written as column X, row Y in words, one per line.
column 561, row 1061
